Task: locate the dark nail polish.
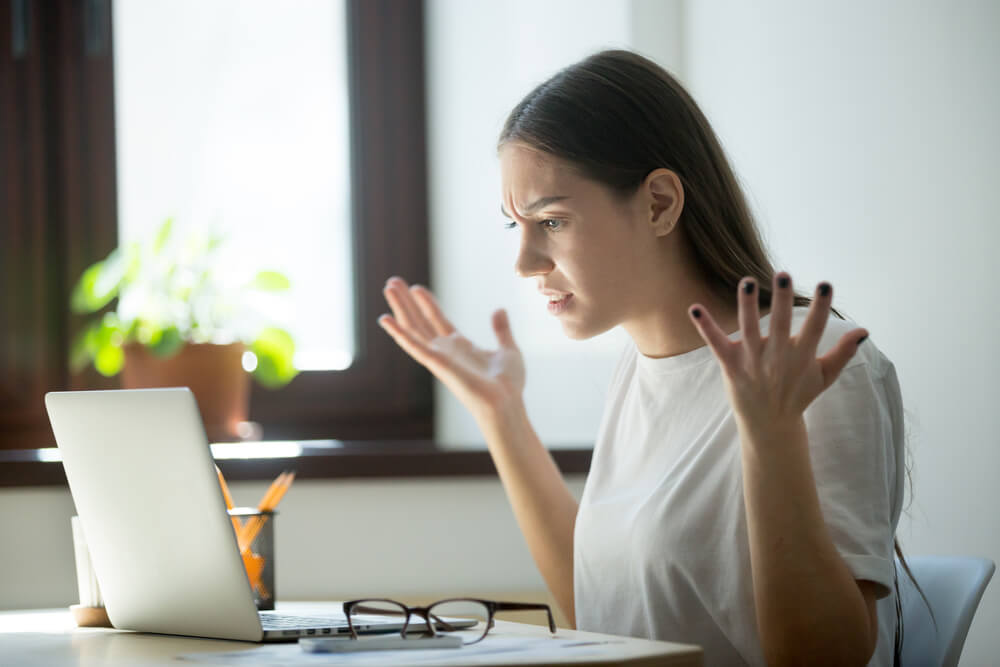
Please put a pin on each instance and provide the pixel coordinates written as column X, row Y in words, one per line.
column 824, row 289
column 782, row 282
column 748, row 287
column 696, row 312
column 862, row 339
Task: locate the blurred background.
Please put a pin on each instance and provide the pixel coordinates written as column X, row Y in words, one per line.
column 864, row 134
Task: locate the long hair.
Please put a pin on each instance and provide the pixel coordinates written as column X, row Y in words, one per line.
column 616, row 116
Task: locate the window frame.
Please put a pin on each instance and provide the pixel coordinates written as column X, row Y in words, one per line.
column 384, row 394
column 59, row 187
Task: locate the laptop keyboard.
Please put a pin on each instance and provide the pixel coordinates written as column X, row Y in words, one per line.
column 283, row 621
column 282, row 626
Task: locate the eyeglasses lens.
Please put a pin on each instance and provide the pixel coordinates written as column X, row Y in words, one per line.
column 368, row 616
column 467, row 618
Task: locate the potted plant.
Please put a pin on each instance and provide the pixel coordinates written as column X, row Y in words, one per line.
column 180, row 320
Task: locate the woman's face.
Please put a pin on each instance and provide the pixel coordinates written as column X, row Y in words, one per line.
column 591, row 252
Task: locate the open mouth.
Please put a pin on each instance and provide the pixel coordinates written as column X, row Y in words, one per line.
column 558, row 305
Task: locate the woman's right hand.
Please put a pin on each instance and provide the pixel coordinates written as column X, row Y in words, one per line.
column 487, row 382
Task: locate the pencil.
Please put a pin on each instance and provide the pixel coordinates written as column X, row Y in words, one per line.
column 229, row 499
column 270, row 500
column 280, row 493
column 253, row 562
column 265, row 502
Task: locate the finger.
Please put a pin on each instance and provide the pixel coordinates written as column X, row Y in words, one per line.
column 392, row 298
column 501, row 326
column 400, row 311
column 782, row 298
column 453, row 376
column 397, row 293
column 749, row 313
column 834, row 361
column 819, row 313
column 716, row 338
column 432, row 311
column 412, row 345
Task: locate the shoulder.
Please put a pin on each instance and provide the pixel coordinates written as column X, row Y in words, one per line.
column 867, row 354
column 866, row 387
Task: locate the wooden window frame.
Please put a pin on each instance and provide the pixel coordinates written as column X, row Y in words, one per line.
column 59, row 206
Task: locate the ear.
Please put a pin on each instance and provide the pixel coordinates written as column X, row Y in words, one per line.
column 664, row 200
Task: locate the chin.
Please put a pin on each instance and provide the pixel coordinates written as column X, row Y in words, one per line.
column 582, row 330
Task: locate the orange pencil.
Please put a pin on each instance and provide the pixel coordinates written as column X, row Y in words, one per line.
column 252, row 526
column 253, row 562
column 282, row 490
column 229, row 498
column 271, row 490
column 270, row 500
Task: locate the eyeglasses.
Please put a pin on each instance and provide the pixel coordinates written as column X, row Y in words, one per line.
column 442, row 617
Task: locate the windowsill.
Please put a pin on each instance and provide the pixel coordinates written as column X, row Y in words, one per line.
column 311, row 459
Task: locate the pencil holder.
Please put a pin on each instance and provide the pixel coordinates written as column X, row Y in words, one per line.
column 255, row 537
column 90, row 612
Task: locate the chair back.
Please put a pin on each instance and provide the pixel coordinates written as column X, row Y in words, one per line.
column 954, row 586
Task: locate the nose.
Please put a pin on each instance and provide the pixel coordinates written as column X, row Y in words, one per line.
column 531, row 260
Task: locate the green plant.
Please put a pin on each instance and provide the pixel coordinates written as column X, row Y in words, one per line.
column 171, row 292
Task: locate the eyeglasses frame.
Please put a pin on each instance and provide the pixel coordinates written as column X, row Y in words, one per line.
column 492, row 607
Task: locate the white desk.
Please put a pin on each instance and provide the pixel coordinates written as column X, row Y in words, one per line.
column 50, row 638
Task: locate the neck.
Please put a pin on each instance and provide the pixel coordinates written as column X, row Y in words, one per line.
column 661, row 327
column 667, row 330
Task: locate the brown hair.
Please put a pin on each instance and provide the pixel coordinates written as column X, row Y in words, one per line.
column 656, row 124
column 616, row 116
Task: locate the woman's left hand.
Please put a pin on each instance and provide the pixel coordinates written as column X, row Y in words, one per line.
column 772, row 380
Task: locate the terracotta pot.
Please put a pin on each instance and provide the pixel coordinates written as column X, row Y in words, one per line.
column 213, row 372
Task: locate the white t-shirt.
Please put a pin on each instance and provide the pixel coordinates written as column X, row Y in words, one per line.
column 661, row 548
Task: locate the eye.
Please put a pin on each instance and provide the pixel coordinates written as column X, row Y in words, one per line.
column 510, row 225
column 551, row 224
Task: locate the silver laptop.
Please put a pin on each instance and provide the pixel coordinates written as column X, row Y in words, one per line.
column 161, row 542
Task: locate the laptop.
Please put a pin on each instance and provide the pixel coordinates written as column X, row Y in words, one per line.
column 161, row 542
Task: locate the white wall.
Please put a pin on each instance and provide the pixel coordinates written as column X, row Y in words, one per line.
column 867, row 136
column 418, row 537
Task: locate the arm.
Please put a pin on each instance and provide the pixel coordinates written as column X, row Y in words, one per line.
column 543, row 505
column 810, row 609
column 490, row 384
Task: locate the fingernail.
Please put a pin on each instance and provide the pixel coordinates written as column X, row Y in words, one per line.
column 782, row 282
column 824, row 289
column 696, row 312
column 748, row 287
column 862, row 339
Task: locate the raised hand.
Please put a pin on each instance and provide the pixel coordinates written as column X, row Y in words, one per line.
column 772, row 380
column 485, row 381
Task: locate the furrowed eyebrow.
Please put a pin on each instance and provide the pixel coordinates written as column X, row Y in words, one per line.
column 535, row 205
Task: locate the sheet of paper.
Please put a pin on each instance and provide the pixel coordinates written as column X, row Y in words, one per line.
column 506, row 649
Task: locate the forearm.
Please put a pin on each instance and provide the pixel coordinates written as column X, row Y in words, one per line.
column 543, row 505
column 809, row 607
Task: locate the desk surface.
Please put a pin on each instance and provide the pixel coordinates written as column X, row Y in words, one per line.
column 50, row 637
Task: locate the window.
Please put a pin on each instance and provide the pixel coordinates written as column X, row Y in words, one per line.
column 243, row 131
column 59, row 207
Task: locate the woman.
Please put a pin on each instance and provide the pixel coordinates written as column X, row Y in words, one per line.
column 747, row 477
